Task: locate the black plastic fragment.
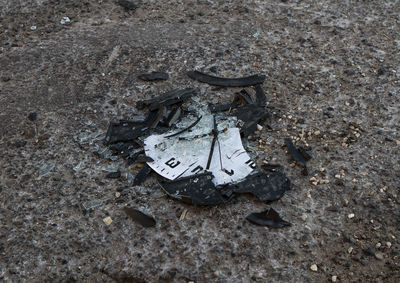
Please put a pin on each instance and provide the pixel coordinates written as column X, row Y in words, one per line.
column 139, row 217
column 268, row 217
column 141, row 176
column 154, row 76
column 144, row 158
column 265, row 186
column 170, row 98
column 32, row 116
column 129, row 5
column 231, row 82
column 250, row 114
column 245, row 96
column 197, row 189
column 260, row 96
column 295, row 153
column 122, row 132
column 271, row 167
column 304, row 152
column 215, row 108
column 133, row 156
column 114, row 175
column 215, row 137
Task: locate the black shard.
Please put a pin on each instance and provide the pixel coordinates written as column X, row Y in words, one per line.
column 139, row 217
column 123, row 132
column 269, row 218
column 32, row 116
column 197, row 189
column 215, row 108
column 265, row 186
column 260, row 96
column 271, row 167
column 300, row 156
column 154, row 76
column 244, row 96
column 129, row 5
column 141, row 176
column 114, row 175
column 170, row 98
column 231, row 82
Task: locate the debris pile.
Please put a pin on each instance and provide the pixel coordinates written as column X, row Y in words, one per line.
column 197, row 150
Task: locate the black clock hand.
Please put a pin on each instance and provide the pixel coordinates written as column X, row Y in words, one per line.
column 215, row 132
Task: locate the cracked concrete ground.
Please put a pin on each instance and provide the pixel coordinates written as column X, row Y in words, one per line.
column 333, row 81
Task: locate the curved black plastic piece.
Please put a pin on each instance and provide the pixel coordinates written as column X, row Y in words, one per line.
column 197, row 189
column 268, row 217
column 142, row 175
column 139, row 217
column 265, row 186
column 295, row 153
column 186, row 129
column 233, row 82
column 154, row 76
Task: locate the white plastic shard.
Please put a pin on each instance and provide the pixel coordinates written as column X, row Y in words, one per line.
column 187, row 154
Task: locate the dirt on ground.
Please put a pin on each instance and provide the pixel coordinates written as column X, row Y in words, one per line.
column 67, row 68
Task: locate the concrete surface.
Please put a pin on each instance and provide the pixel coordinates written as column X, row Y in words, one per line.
column 333, row 82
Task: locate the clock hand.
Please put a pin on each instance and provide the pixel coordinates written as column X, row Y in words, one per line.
column 215, row 132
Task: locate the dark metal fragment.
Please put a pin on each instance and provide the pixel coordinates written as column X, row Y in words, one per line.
column 139, row 217
column 154, row 76
column 232, row 82
column 265, row 186
column 141, row 176
column 197, row 189
column 268, row 217
column 129, row 5
column 114, row 175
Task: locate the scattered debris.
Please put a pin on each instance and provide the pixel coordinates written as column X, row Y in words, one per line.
column 107, row 220
column 197, row 151
column 139, row 217
column 314, row 267
column 114, row 175
column 65, row 20
column 128, row 5
column 154, row 76
column 212, row 80
column 268, row 217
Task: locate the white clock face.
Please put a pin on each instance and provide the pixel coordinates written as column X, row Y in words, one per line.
column 187, row 154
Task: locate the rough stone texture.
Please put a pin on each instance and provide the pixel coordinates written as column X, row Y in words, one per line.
column 332, row 80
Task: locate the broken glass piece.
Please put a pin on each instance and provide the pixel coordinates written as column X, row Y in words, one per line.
column 197, row 189
column 45, row 169
column 129, row 5
column 212, row 80
column 173, row 116
column 139, row 217
column 87, row 206
column 268, row 217
column 296, row 155
column 141, row 176
column 114, row 175
column 265, row 186
column 260, row 96
column 154, row 76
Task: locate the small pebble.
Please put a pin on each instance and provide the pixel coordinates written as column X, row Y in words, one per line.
column 349, row 250
column 388, row 245
column 350, row 216
column 334, row 278
column 379, row 255
column 33, row 27
column 65, row 20
column 304, row 217
column 314, row 267
column 107, row 220
column 378, row 245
